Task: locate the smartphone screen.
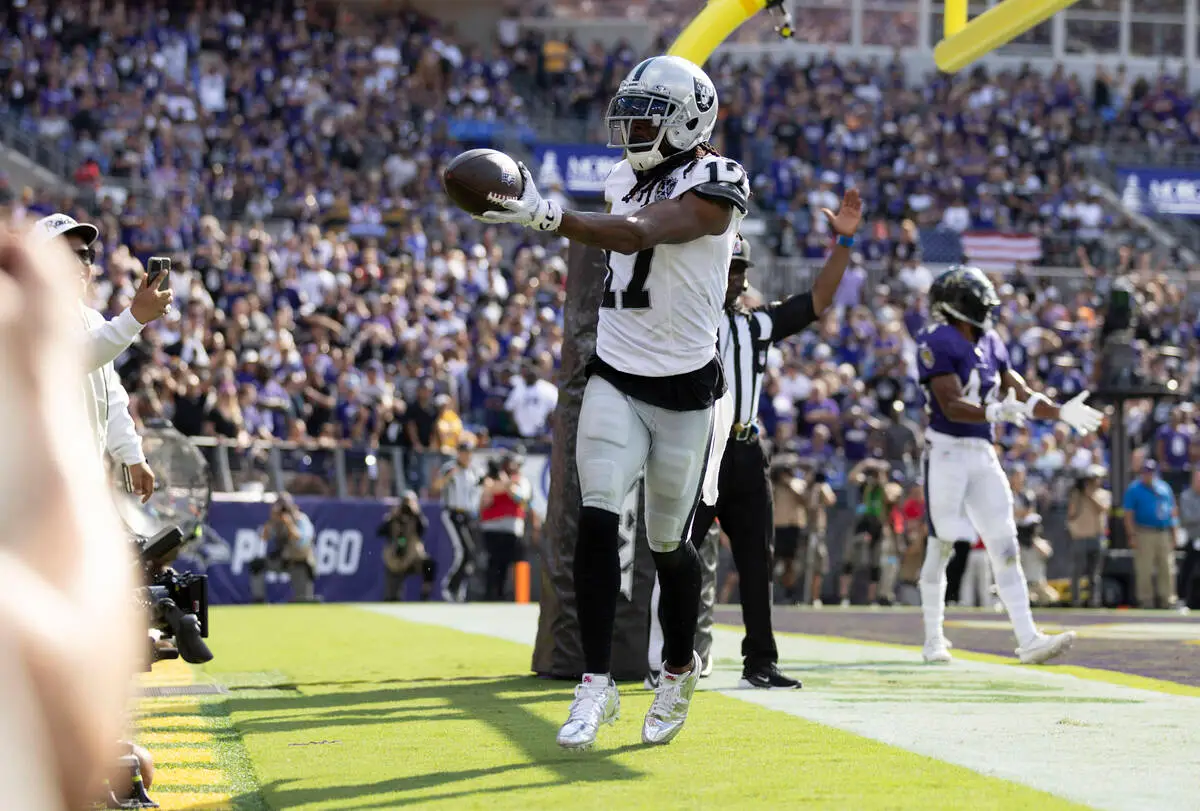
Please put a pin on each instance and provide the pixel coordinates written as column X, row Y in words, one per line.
column 159, row 269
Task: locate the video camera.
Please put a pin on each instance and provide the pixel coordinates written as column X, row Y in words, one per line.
column 177, row 603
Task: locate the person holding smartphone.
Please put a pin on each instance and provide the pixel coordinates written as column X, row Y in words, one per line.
column 107, row 401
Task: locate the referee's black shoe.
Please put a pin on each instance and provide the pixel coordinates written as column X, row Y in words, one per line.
column 768, row 677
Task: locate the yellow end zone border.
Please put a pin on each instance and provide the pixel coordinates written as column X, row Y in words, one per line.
column 183, row 744
column 1079, row 671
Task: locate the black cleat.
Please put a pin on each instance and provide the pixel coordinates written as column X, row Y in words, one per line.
column 768, row 677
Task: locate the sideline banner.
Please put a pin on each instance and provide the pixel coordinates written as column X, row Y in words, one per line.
column 582, row 169
column 349, row 553
column 1153, row 191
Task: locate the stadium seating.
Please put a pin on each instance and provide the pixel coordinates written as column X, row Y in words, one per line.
column 321, row 276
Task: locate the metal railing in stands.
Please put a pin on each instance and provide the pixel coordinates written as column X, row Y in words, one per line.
column 1184, row 156
column 37, row 149
column 314, row 468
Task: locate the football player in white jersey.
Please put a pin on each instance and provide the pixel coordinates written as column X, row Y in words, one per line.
column 674, row 209
column 971, row 387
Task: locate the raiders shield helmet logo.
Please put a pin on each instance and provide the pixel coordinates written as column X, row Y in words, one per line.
column 705, row 95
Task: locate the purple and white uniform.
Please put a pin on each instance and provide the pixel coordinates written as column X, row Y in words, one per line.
column 967, row 492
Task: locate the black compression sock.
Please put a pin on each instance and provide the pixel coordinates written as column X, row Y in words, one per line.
column 597, row 581
column 679, row 575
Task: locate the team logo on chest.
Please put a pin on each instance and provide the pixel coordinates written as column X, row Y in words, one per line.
column 666, row 188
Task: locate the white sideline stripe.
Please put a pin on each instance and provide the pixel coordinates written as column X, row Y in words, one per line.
column 1139, row 755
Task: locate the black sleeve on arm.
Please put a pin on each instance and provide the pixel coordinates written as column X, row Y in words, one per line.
column 791, row 315
column 723, row 191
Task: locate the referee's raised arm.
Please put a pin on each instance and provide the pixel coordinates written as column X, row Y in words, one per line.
column 796, row 312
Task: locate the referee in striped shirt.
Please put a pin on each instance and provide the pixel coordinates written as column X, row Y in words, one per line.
column 744, row 505
column 458, row 485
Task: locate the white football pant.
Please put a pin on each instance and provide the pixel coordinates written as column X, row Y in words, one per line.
column 967, row 497
column 619, row 437
column 977, row 581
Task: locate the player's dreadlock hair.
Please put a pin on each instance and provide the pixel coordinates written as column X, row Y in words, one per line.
column 648, row 181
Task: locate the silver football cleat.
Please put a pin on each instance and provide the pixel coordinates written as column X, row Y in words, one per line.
column 1044, row 648
column 596, row 703
column 672, row 698
column 937, row 653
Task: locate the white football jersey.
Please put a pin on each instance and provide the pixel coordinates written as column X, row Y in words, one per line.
column 662, row 306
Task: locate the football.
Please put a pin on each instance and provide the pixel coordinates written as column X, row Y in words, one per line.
column 473, row 175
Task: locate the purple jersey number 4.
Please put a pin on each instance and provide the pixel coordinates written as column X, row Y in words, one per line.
column 979, row 367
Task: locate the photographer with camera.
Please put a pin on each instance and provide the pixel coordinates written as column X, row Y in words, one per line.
column 404, row 555
column 801, row 518
column 878, row 498
column 107, row 401
column 818, row 498
column 1087, row 525
column 503, row 509
column 1035, row 552
column 458, row 486
column 288, row 536
column 788, row 493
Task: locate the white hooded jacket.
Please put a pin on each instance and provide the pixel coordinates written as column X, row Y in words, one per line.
column 107, row 400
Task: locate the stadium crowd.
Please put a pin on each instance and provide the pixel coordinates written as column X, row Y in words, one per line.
column 264, row 114
column 370, row 313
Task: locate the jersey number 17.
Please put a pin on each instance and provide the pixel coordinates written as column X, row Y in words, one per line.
column 635, row 296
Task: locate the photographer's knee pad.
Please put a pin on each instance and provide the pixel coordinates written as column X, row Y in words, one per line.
column 257, row 566
column 847, row 568
column 875, row 573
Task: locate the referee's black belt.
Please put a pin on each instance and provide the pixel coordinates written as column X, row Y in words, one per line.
column 743, row 432
column 459, row 511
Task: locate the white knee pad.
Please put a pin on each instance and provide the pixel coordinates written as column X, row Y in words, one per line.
column 1005, row 554
column 663, row 546
column 672, row 479
column 938, row 552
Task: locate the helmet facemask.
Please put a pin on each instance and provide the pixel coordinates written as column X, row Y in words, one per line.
column 638, row 121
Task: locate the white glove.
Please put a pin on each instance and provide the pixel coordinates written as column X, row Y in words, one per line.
column 1080, row 416
column 529, row 210
column 1011, row 410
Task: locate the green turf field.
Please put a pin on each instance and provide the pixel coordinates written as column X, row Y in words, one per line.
column 334, row 707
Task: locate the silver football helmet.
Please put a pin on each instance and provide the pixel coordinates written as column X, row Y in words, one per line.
column 665, row 99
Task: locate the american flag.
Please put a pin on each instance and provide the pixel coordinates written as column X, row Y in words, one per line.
column 992, row 251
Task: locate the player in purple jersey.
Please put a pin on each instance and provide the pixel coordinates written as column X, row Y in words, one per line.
column 970, row 386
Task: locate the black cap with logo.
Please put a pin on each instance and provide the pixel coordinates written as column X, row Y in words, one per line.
column 741, row 252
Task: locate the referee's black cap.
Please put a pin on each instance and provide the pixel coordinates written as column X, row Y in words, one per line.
column 741, row 252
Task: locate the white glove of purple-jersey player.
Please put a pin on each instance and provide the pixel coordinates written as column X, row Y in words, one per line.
column 1080, row 416
column 1010, row 410
column 529, row 210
